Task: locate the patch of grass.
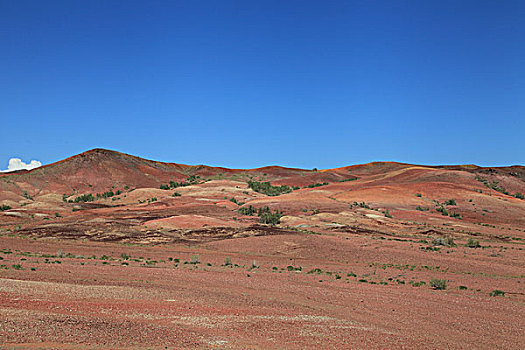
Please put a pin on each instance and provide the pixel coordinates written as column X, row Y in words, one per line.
column 418, row 284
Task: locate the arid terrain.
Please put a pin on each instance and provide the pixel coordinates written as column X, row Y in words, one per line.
column 105, row 250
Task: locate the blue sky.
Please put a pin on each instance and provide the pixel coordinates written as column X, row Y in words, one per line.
column 252, row 83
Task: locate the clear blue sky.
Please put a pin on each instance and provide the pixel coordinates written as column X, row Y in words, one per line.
column 252, row 83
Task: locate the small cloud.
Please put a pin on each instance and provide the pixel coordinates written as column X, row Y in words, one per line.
column 18, row 164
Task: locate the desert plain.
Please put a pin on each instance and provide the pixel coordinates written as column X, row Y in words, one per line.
column 105, row 250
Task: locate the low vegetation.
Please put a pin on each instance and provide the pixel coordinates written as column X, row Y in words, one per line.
column 492, row 185
column 438, row 284
column 267, row 189
column 266, row 216
column 473, row 243
column 191, row 180
column 497, row 293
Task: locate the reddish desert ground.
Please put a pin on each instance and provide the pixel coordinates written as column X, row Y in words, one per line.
column 105, row 250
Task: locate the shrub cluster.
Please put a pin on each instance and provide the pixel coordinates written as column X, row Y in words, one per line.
column 267, row 189
column 266, row 216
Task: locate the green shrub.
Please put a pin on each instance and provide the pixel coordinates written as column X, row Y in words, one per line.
column 438, row 284
column 4, row 207
column 418, row 195
column 519, row 195
column 455, row 215
column 442, row 210
column 249, row 210
column 266, row 216
column 84, row 198
column 421, row 208
column 26, row 195
column 176, row 194
column 450, row 202
column 267, row 189
column 497, row 293
column 316, row 185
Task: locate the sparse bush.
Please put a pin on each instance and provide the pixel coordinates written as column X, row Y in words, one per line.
column 421, row 208
column 455, row 215
column 442, row 210
column 519, row 195
column 26, row 195
column 438, row 284
column 387, row 214
column 445, row 241
column 228, row 262
column 419, row 284
column 195, row 259
column 473, row 243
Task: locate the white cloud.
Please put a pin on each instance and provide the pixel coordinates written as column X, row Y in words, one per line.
column 18, row 164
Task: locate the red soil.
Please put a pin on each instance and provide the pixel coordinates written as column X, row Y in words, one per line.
column 372, row 245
